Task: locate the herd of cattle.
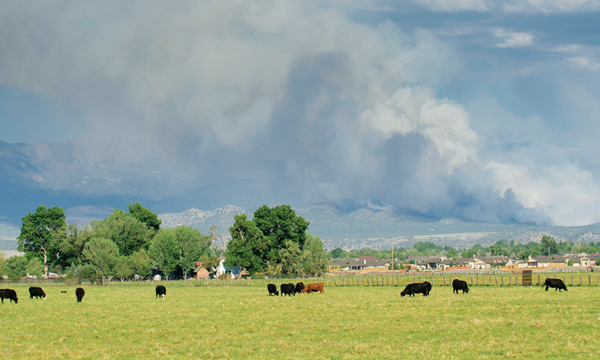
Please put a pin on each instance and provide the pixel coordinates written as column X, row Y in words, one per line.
column 287, row 289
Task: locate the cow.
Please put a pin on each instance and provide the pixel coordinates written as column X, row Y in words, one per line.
column 9, row 294
column 557, row 284
column 459, row 285
column 417, row 288
column 79, row 292
column 37, row 292
column 288, row 289
column 272, row 289
column 299, row 287
column 161, row 291
column 310, row 288
column 63, row 292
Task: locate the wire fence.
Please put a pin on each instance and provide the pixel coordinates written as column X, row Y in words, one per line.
column 383, row 279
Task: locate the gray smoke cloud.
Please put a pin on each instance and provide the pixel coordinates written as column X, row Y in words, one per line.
column 295, row 97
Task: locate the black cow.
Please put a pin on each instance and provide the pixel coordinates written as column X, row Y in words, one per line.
column 557, row 284
column 79, row 292
column 37, row 292
column 299, row 287
column 161, row 291
column 288, row 289
column 417, row 288
column 459, row 285
column 272, row 289
column 9, row 294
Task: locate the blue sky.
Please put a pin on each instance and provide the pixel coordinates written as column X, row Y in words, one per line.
column 483, row 110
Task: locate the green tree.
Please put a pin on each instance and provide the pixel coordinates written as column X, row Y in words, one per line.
column 279, row 225
column 123, row 268
column 35, row 267
column 548, row 246
column 36, row 238
column 141, row 263
column 145, row 215
column 16, row 267
column 247, row 246
column 192, row 245
column 338, row 253
column 164, row 250
column 292, row 258
column 127, row 232
column 71, row 242
column 102, row 253
column 314, row 256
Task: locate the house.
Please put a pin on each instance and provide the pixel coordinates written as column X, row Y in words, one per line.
column 222, row 269
column 200, row 272
column 584, row 259
column 434, row 263
column 360, row 263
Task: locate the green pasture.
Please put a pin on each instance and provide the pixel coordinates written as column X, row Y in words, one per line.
column 349, row 322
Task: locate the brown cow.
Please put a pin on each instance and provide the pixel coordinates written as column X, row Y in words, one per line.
column 310, row 288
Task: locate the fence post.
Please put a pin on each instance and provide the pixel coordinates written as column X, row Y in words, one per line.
column 509, row 280
column 571, row 280
column 471, row 281
column 495, row 277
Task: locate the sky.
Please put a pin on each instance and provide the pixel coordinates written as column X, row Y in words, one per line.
column 481, row 110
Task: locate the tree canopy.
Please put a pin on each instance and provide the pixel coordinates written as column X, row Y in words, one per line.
column 36, row 238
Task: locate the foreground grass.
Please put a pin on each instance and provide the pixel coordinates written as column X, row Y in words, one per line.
column 344, row 323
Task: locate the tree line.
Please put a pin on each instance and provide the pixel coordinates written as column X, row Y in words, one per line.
column 123, row 244
column 547, row 246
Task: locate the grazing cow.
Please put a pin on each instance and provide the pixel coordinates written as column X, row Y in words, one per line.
column 310, row 288
column 161, row 291
column 557, row 284
column 272, row 289
column 459, row 285
column 299, row 287
column 288, row 289
column 37, row 292
column 9, row 294
column 79, row 292
column 417, row 288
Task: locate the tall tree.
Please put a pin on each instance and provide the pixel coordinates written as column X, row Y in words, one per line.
column 314, row 256
column 192, row 245
column 548, row 246
column 292, row 259
column 247, row 246
column 71, row 242
column 127, row 232
column 102, row 253
column 36, row 238
column 141, row 263
column 279, row 225
column 145, row 215
column 164, row 250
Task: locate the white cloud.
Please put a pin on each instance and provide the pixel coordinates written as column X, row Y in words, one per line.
column 569, row 195
column 584, row 63
column 567, row 48
column 513, row 39
column 445, row 124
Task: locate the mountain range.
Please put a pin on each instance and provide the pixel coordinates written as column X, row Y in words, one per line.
column 89, row 186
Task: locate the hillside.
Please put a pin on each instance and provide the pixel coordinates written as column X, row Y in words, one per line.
column 350, row 225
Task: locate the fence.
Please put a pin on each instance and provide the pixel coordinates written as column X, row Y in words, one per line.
column 396, row 279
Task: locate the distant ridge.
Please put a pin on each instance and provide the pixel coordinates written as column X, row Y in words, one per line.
column 349, row 225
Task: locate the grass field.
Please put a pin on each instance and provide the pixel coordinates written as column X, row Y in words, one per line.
column 127, row 322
